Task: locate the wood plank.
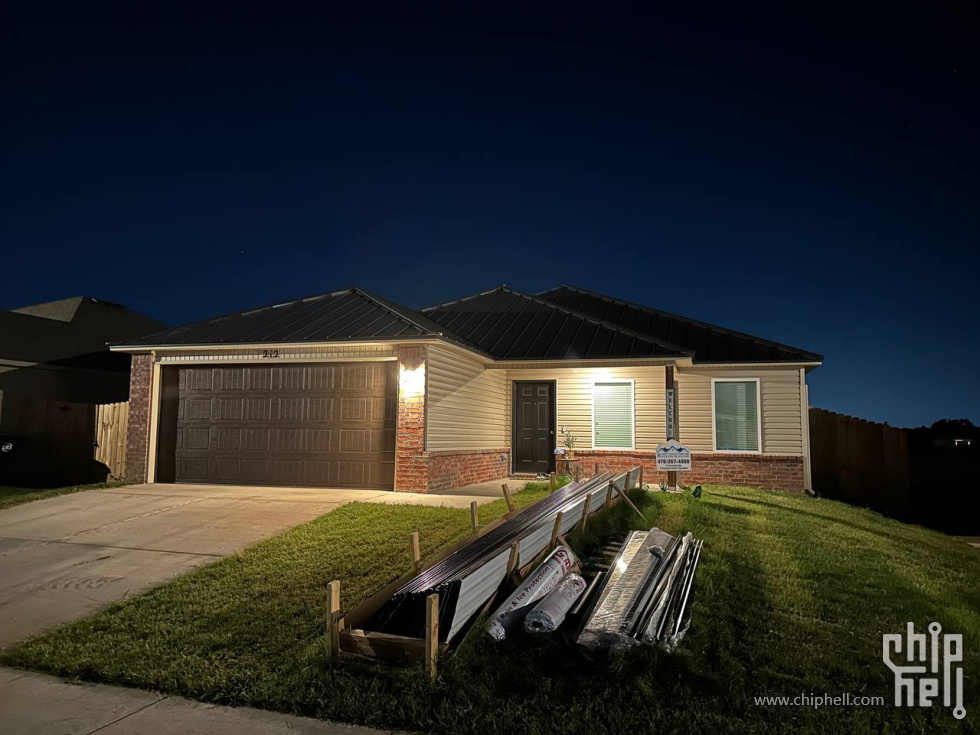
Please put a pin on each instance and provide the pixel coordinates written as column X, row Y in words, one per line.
column 414, row 552
column 585, row 510
column 432, row 635
column 507, row 498
column 333, row 618
column 391, row 648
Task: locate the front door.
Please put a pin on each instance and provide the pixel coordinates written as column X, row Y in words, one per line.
column 534, row 426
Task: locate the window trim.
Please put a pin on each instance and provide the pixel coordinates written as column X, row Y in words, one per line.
column 758, row 403
column 622, row 381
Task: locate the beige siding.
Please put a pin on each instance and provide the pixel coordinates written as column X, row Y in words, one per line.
column 574, row 399
column 467, row 404
column 782, row 426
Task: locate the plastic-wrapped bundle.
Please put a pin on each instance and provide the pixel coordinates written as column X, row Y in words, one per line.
column 670, row 589
column 541, row 581
column 549, row 614
column 606, row 617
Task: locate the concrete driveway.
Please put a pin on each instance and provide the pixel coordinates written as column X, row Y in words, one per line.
column 64, row 557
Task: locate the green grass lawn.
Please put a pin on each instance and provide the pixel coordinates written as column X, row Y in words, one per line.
column 793, row 595
column 17, row 495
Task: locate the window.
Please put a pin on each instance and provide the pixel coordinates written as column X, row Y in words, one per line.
column 612, row 415
column 736, row 415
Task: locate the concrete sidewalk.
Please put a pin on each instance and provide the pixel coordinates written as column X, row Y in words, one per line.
column 35, row 703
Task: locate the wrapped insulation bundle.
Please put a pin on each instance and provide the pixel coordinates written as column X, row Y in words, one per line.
column 540, row 582
column 548, row 615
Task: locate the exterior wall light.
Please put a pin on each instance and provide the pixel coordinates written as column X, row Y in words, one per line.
column 411, row 381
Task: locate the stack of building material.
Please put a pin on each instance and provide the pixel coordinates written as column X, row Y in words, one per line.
column 538, row 585
column 467, row 579
column 644, row 595
column 548, row 615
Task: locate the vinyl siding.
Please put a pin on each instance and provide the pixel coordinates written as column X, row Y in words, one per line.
column 467, row 404
column 574, row 399
column 782, row 425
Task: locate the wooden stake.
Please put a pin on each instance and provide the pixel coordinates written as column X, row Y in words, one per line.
column 414, row 553
column 595, row 470
column 632, row 505
column 640, row 479
column 431, row 634
column 333, row 618
column 556, row 531
column 474, row 518
column 551, row 482
column 510, row 503
column 609, row 498
column 515, row 555
column 585, row 509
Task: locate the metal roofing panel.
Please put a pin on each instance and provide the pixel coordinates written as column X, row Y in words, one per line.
column 335, row 316
column 511, row 325
column 708, row 342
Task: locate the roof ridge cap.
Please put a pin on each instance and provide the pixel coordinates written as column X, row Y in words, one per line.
column 424, row 309
column 380, row 301
column 446, row 333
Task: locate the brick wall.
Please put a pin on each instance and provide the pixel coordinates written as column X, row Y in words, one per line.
column 417, row 470
column 138, row 436
column 771, row 472
column 411, row 465
column 452, row 469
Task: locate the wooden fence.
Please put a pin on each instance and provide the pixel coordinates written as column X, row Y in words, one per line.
column 61, row 443
column 111, row 423
column 860, row 462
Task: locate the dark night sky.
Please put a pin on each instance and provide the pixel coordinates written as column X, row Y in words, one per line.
column 807, row 176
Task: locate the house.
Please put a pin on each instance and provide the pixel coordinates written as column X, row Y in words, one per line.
column 350, row 389
column 55, row 366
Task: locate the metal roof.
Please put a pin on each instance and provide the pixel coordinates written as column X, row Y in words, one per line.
column 708, row 342
column 565, row 323
column 349, row 315
column 510, row 325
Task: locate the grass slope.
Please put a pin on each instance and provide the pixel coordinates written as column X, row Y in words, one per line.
column 17, row 495
column 792, row 597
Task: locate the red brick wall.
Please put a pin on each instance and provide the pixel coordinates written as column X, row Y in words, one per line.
column 771, row 472
column 452, row 469
column 417, row 470
column 411, row 466
column 138, row 436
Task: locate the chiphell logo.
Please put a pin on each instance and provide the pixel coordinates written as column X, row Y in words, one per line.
column 922, row 664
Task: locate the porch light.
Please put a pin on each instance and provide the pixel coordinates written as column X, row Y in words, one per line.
column 411, row 381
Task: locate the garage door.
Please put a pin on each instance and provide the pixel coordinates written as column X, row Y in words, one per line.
column 323, row 424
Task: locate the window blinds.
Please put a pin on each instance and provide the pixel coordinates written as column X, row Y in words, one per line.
column 737, row 416
column 613, row 415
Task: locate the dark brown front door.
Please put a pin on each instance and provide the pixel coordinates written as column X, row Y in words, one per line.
column 319, row 424
column 534, row 426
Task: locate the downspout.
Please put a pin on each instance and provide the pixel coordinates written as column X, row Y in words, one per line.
column 805, row 425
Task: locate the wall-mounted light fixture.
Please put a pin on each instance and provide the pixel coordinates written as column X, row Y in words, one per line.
column 411, row 381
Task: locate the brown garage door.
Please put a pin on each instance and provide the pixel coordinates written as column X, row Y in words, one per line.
column 323, row 424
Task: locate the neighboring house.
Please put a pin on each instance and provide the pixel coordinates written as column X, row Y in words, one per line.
column 58, row 351
column 55, row 365
column 350, row 389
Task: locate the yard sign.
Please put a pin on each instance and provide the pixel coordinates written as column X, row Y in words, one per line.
column 673, row 457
